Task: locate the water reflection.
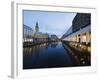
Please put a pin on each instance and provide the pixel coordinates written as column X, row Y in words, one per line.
column 54, row 54
column 82, row 58
column 54, row 44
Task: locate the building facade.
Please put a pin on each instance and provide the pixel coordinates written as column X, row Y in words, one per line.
column 39, row 36
column 53, row 37
column 69, row 31
column 27, row 33
column 81, row 30
column 80, row 21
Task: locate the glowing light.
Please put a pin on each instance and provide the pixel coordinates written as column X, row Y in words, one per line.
column 80, row 45
column 84, row 38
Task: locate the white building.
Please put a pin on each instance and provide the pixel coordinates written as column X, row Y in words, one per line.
column 81, row 29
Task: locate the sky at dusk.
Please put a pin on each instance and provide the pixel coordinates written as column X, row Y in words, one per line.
column 49, row 22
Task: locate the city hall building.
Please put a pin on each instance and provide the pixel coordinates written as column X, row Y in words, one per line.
column 39, row 37
column 33, row 35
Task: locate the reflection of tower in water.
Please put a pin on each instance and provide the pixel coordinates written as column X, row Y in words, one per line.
column 36, row 52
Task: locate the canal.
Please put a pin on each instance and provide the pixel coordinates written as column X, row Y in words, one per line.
column 51, row 55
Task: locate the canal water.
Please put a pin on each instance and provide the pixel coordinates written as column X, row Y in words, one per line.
column 48, row 55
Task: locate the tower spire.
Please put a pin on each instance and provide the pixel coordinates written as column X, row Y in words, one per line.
column 37, row 27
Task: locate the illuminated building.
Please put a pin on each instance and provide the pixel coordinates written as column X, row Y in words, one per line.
column 27, row 34
column 53, row 37
column 81, row 30
column 39, row 36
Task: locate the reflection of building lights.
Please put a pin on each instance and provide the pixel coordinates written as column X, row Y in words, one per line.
column 82, row 59
column 80, row 45
column 83, row 62
column 75, row 57
column 76, row 44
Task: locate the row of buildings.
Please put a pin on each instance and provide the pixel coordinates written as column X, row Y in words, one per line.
column 80, row 31
column 31, row 35
column 35, row 36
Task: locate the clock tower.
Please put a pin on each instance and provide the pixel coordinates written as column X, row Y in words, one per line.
column 36, row 27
